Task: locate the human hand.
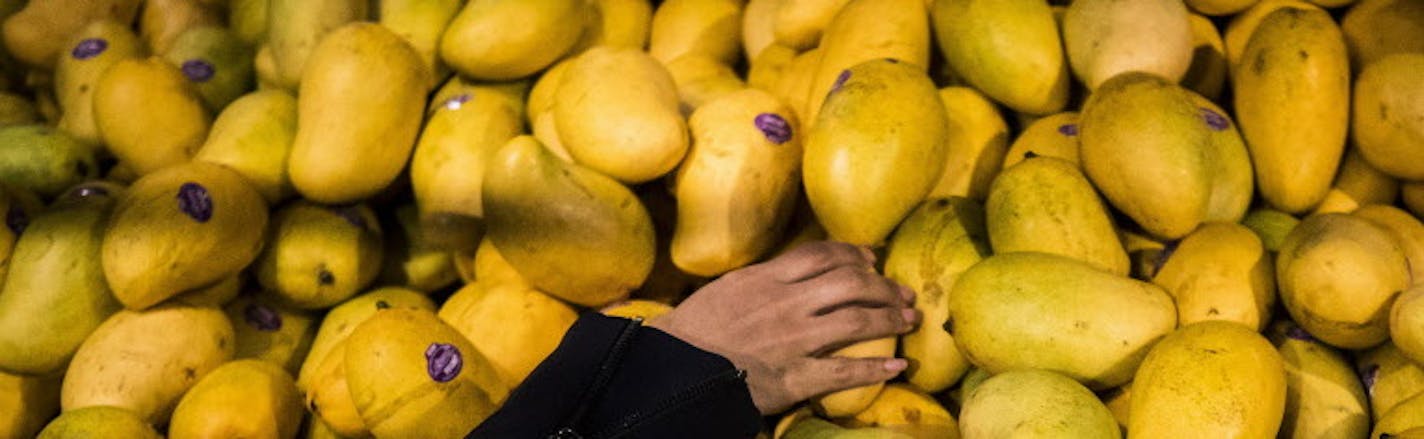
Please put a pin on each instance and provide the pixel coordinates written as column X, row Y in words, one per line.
column 779, row 320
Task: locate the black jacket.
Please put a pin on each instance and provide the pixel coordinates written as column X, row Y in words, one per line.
column 615, row 378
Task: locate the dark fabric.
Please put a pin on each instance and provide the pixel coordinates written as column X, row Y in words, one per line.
column 612, row 378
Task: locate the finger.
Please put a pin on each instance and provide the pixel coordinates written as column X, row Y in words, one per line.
column 812, row 259
column 850, row 325
column 819, row 376
column 844, row 286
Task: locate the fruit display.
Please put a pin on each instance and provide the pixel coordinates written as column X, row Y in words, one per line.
column 375, row 218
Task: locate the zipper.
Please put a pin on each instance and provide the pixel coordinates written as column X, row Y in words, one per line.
column 628, row 423
column 600, row 381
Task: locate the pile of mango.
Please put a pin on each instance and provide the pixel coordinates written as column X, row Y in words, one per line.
column 373, row 218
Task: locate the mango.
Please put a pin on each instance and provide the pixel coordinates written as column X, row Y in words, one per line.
column 44, row 160
column 637, row 309
column 422, row 23
column 863, row 172
column 344, row 318
column 1129, row 113
column 468, row 123
column 1323, row 395
column 616, row 112
column 214, row 295
column 502, row 40
column 217, row 62
column 1374, row 29
column 412, row 375
column 54, row 294
column 318, row 256
column 296, row 27
column 92, row 50
column 794, row 85
column 36, row 35
column 268, row 331
column 145, row 361
column 759, row 27
column 1209, row 379
column 1050, row 136
column 1208, row 71
column 866, row 30
column 591, row 251
column 28, row 403
column 1009, row 49
column 410, row 257
column 244, row 398
column 1220, row 7
column 978, row 139
column 1272, row 226
column 711, row 28
column 161, row 22
column 513, row 327
column 1232, row 189
column 1357, row 184
column 1046, row 205
column 1407, row 230
column 935, row 245
column 1100, row 328
column 1241, row 27
column 903, row 408
column 1388, row 122
column 1292, row 101
column 1389, row 378
column 1350, row 312
column 248, row 20
column 1220, row 272
column 149, row 140
column 1105, row 38
column 848, row 402
column 181, row 228
column 764, row 71
column 1408, row 415
column 701, row 79
column 1032, row 403
column 16, row 110
column 370, row 130
column 99, row 422
column 328, row 396
column 738, row 185
column 253, row 136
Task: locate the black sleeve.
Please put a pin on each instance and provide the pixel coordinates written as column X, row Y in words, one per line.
column 612, row 377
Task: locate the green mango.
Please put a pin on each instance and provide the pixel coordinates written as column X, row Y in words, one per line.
column 44, row 160
column 216, row 61
column 295, row 27
column 55, row 294
column 248, row 20
column 1047, row 205
column 99, row 422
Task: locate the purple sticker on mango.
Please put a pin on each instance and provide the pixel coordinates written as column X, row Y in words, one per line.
column 1070, row 129
column 16, row 220
column 776, row 129
column 193, row 199
column 840, row 80
column 262, row 317
column 443, row 362
column 1215, row 120
column 351, row 214
column 89, row 48
column 455, row 102
column 1299, row 333
column 198, row 70
column 1368, row 377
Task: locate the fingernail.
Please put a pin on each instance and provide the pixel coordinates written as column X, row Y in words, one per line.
column 907, row 293
column 910, row 315
column 896, row 364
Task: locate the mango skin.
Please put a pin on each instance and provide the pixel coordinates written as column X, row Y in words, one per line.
column 99, row 422
column 1051, row 136
column 244, row 398
column 344, row 318
column 601, row 229
column 181, row 228
column 855, row 400
column 978, row 139
column 353, row 139
column 1105, row 38
column 864, row 169
column 1389, row 378
column 866, row 30
column 1324, row 397
column 266, row 331
column 1033, row 403
column 711, row 28
column 1388, row 121
column 1374, row 29
column 1292, row 101
column 938, row 241
column 1163, row 182
column 501, row 40
column 44, row 160
column 317, row 256
column 1046, row 205
column 1349, row 312
column 76, row 76
column 1101, row 327
column 1009, row 49
column 1220, row 272
column 36, row 34
column 253, row 136
column 1209, row 379
column 54, row 294
column 149, row 140
column 515, row 328
column 27, row 404
column 146, row 360
column 296, row 27
column 617, row 113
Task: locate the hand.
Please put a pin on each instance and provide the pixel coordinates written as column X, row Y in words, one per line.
column 779, row 320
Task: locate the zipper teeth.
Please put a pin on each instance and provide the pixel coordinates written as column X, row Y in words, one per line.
column 605, row 372
column 626, row 425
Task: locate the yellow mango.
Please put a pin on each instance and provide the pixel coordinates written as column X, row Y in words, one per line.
column 1046, row 205
column 617, row 113
column 1010, row 49
column 1220, row 272
column 502, row 40
column 1211, row 379
column 978, row 139
column 149, row 140
column 710, row 28
column 1350, row 312
column 513, row 327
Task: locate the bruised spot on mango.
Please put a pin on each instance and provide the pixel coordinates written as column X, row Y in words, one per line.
column 89, row 48
column 193, row 199
column 443, row 362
